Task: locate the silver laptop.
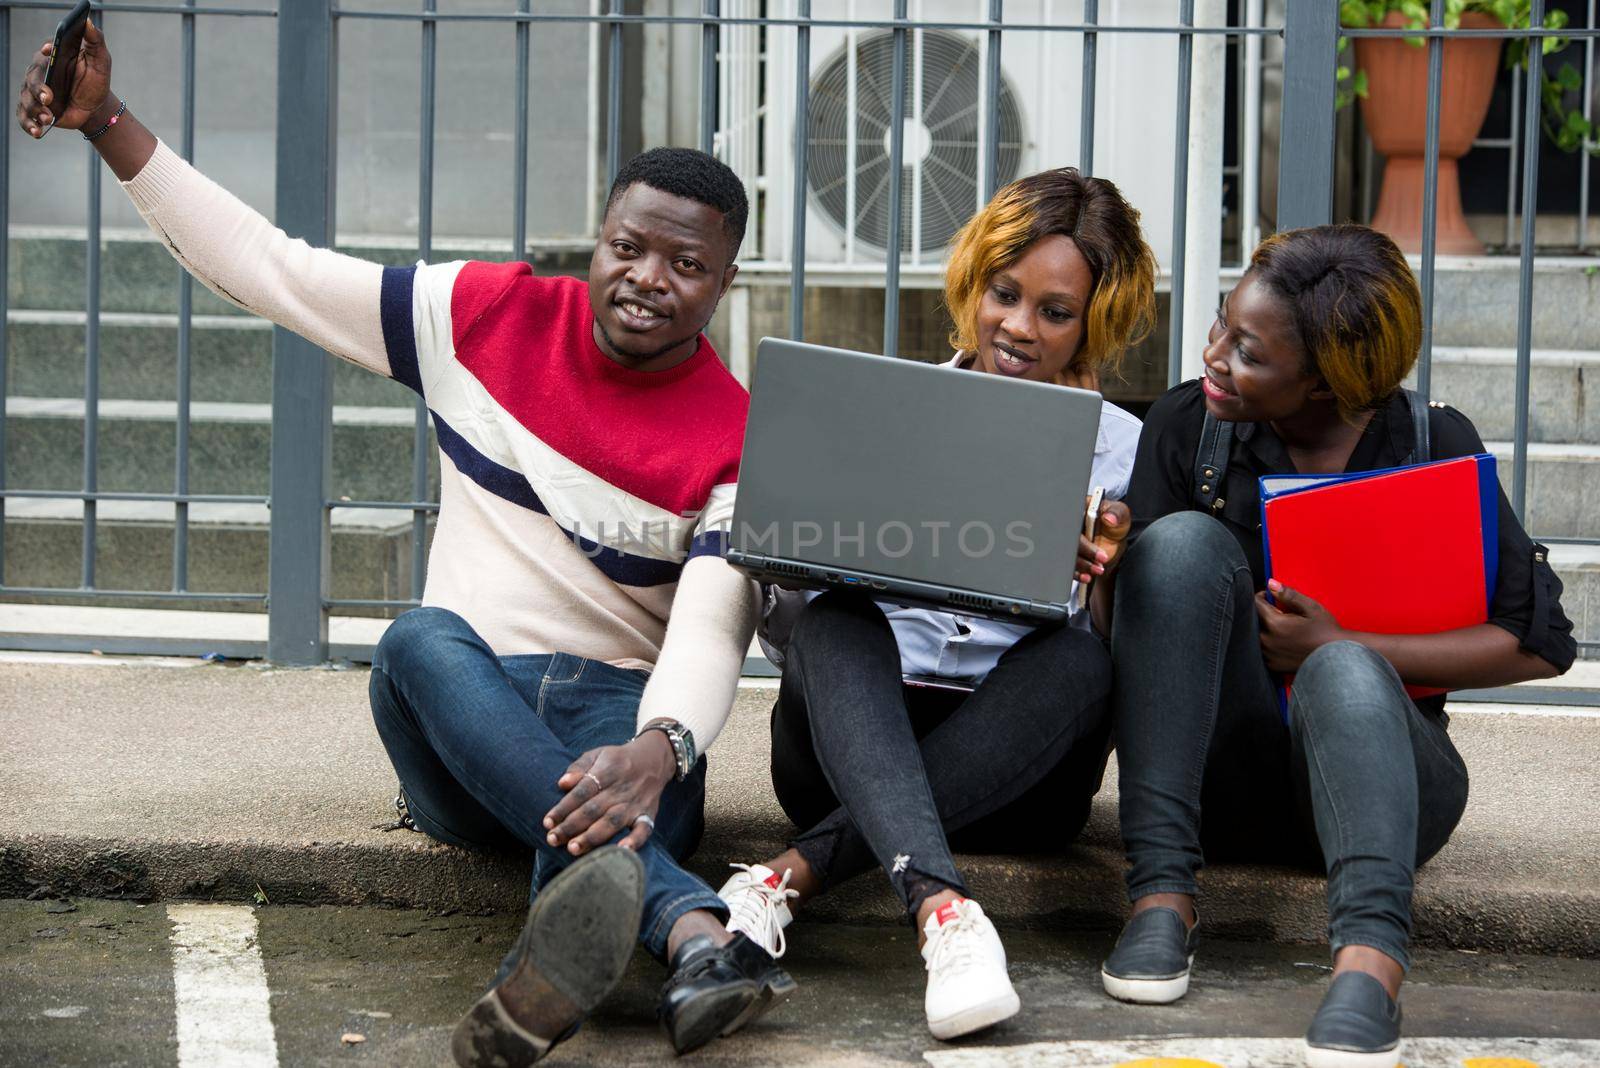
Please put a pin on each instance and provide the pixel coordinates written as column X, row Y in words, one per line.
column 919, row 484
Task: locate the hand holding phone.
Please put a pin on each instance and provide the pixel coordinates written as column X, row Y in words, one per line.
column 69, row 80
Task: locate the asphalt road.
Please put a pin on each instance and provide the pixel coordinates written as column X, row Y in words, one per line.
column 108, row 983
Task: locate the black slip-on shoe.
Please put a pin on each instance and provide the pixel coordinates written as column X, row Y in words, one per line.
column 715, row 990
column 572, row 951
column 1357, row 1026
column 1150, row 962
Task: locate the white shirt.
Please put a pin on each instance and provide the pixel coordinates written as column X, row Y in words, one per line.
column 956, row 647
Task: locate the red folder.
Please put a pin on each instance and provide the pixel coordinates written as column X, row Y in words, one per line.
column 1410, row 550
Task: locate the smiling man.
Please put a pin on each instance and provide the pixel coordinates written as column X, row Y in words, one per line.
column 589, row 439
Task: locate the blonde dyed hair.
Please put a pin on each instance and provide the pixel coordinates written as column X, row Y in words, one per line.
column 1354, row 303
column 1104, row 226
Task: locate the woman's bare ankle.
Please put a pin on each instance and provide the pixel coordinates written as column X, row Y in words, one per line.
column 1375, row 962
column 1182, row 904
column 802, row 880
column 929, row 906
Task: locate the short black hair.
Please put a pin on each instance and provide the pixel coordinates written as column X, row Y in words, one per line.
column 693, row 175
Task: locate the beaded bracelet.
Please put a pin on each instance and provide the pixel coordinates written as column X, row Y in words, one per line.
column 107, row 126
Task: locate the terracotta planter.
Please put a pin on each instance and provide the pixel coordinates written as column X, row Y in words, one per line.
column 1396, row 115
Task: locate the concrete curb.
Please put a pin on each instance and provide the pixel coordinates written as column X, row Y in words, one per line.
column 209, row 782
column 1081, row 890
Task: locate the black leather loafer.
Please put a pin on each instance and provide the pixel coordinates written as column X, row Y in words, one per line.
column 1150, row 962
column 1358, row 1026
column 715, row 990
column 572, row 951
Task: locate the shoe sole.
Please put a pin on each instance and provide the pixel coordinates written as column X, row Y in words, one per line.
column 1322, row 1057
column 578, row 939
column 1146, row 991
column 725, row 1011
column 976, row 1018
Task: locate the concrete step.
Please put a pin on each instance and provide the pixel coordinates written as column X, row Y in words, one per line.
column 1475, row 301
column 230, row 448
column 230, row 359
column 1564, row 387
column 232, row 362
column 228, row 550
column 372, row 447
column 204, row 781
column 1563, row 491
column 48, row 268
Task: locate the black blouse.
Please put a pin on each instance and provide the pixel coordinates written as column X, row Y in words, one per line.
column 1527, row 594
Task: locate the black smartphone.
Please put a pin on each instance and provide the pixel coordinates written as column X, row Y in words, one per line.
column 64, row 59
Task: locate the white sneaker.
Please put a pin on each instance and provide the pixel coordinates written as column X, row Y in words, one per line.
column 758, row 905
column 968, row 988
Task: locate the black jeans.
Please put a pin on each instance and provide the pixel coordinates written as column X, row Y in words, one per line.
column 880, row 772
column 1358, row 770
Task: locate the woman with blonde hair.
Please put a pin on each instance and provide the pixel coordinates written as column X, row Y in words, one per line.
column 899, row 731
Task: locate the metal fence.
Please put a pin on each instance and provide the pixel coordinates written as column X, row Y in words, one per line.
column 298, row 601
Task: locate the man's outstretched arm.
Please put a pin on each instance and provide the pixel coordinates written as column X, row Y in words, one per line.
column 332, row 300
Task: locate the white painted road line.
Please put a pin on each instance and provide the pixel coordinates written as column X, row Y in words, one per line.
column 1268, row 1053
column 221, row 989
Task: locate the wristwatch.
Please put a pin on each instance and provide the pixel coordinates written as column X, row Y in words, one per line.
column 682, row 740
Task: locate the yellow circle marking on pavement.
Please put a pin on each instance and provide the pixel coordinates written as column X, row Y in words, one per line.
column 1173, row 1062
column 1497, row 1062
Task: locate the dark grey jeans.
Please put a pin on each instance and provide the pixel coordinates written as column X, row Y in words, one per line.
column 880, row 773
column 1359, row 770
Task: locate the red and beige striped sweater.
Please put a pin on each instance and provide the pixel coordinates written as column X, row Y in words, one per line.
column 582, row 503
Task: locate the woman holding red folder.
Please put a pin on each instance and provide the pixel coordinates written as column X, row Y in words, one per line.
column 1302, row 375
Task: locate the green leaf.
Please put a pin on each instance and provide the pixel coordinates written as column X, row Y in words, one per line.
column 1360, row 84
column 1568, row 77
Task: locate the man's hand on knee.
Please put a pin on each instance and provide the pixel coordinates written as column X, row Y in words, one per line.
column 611, row 789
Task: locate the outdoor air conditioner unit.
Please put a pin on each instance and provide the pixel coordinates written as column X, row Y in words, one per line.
column 946, row 101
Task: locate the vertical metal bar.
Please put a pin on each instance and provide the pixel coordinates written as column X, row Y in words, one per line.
column 5, row 274
column 419, row 426
column 991, row 120
column 897, row 137
column 710, row 34
column 1530, row 213
column 851, row 92
column 1588, row 116
column 1180, row 195
column 914, row 165
column 1430, row 197
column 1513, row 161
column 1305, row 152
column 302, row 377
column 1250, row 155
column 180, row 518
column 613, row 94
column 1091, row 48
column 519, row 210
column 802, row 140
column 91, row 373
column 591, row 204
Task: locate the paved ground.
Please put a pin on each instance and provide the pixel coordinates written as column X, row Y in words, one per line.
column 201, row 782
column 93, row 983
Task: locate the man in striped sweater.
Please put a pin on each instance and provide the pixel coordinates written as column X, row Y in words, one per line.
column 589, row 444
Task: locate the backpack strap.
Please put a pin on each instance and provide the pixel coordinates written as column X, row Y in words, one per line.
column 1422, row 447
column 1211, row 463
column 1216, row 443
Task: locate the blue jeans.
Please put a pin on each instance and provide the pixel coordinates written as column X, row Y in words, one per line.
column 1359, row 778
column 479, row 740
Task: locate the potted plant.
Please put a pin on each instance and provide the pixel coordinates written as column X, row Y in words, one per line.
column 1390, row 78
